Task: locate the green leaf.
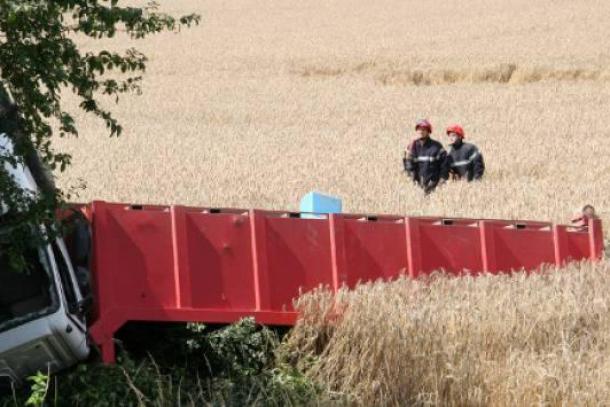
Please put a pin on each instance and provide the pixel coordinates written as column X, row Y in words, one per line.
column 39, row 59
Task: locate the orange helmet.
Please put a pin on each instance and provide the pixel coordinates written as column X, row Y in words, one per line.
column 457, row 129
column 423, row 124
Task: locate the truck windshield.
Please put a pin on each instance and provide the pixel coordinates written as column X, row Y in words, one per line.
column 26, row 294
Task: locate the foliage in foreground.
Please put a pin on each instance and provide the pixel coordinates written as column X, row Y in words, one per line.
column 234, row 366
column 41, row 61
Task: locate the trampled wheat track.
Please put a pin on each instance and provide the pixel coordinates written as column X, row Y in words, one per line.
column 505, row 73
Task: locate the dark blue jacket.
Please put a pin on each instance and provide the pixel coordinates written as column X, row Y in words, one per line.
column 465, row 161
column 426, row 163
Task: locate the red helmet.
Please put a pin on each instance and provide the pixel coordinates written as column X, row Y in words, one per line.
column 457, row 129
column 423, row 124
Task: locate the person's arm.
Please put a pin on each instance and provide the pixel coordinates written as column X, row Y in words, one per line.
column 446, row 167
column 478, row 165
column 443, row 160
column 409, row 163
column 579, row 223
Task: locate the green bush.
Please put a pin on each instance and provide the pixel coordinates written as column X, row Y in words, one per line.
column 233, row 366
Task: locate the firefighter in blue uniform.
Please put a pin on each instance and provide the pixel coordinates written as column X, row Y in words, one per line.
column 464, row 160
column 425, row 160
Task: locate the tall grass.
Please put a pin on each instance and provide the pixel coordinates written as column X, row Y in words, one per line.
column 542, row 339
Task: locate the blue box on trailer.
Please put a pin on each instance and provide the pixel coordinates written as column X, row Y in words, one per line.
column 320, row 203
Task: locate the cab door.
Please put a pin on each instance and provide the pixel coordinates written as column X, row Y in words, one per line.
column 71, row 293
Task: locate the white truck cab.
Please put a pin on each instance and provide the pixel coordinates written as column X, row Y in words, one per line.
column 42, row 324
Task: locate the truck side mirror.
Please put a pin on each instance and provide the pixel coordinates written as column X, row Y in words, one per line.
column 84, row 306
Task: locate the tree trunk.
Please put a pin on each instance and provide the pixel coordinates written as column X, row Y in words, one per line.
column 11, row 125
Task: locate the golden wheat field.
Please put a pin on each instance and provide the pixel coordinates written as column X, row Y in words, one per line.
column 491, row 341
column 265, row 101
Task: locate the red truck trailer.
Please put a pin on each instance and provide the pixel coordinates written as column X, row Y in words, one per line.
column 175, row 263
